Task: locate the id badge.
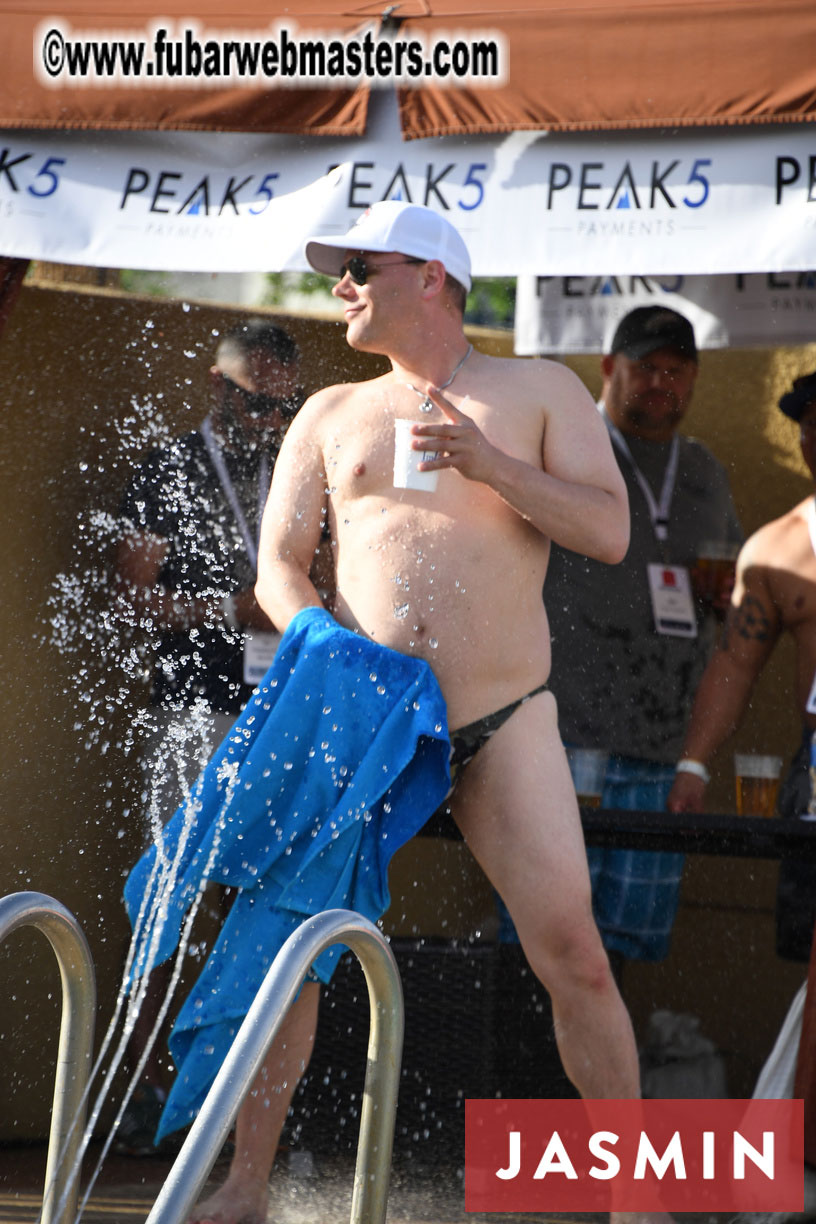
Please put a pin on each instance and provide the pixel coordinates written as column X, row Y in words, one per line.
column 672, row 601
column 259, row 651
column 811, row 701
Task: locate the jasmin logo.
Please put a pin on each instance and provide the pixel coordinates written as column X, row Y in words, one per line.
column 667, row 1155
column 669, row 1163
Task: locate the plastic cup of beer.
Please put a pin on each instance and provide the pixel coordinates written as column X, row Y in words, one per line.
column 757, row 779
column 718, row 556
column 588, row 768
column 406, row 460
column 715, row 565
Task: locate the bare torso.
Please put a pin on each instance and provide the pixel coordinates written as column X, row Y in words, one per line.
column 783, row 553
column 454, row 576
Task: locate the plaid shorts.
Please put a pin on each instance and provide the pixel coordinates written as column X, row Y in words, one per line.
column 635, row 893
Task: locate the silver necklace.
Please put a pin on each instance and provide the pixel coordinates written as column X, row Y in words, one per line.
column 427, row 404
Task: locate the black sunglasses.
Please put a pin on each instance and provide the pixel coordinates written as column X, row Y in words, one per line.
column 359, row 269
column 260, row 405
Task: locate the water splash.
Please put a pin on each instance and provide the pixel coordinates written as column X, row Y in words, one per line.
column 108, row 648
column 141, row 960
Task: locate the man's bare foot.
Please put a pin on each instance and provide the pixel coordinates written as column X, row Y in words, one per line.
column 241, row 1200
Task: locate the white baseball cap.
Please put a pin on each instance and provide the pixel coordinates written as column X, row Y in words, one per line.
column 392, row 225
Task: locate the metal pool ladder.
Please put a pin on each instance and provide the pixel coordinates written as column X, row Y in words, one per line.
column 75, row 1042
column 263, row 1020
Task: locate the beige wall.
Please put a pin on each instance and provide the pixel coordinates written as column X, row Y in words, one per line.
column 71, row 361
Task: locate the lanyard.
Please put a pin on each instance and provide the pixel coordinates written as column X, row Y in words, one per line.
column 222, row 471
column 658, row 510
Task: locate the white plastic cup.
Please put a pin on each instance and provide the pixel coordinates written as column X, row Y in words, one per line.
column 757, row 779
column 406, row 460
column 588, row 768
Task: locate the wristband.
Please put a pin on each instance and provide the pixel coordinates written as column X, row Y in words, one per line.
column 687, row 765
column 228, row 612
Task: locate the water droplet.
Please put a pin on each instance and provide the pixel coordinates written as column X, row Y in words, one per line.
column 433, row 643
column 402, row 611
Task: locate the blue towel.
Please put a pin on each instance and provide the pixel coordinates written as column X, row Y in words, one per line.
column 339, row 758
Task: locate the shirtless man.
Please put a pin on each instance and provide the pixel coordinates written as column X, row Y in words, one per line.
column 523, row 457
column 775, row 593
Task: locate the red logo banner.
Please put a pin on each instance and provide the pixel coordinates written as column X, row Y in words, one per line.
column 669, row 1155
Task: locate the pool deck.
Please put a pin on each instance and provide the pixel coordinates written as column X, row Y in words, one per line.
column 315, row 1191
column 311, row 1190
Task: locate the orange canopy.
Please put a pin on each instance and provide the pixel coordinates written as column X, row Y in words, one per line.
column 572, row 65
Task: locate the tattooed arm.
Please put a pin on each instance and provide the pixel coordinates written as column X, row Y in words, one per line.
column 750, row 634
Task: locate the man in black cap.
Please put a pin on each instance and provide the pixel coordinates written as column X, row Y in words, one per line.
column 630, row 642
column 775, row 593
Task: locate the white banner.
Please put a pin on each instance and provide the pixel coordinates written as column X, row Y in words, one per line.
column 698, row 203
column 578, row 314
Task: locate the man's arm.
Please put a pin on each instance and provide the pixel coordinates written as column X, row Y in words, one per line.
column 577, row 498
column 751, row 631
column 293, row 523
column 140, row 558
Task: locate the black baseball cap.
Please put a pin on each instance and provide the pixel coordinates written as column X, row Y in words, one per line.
column 648, row 328
column 795, row 403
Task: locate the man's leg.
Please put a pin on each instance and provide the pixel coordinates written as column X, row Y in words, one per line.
column 243, row 1197
column 517, row 809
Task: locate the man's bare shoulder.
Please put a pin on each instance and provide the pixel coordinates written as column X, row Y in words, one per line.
column 328, row 398
column 773, row 560
column 547, row 383
column 535, row 370
column 780, row 539
column 322, row 406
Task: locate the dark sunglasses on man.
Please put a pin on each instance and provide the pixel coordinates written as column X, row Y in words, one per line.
column 359, row 269
column 257, row 404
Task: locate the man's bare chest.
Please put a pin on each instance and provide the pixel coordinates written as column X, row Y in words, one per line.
column 359, row 452
column 792, row 584
column 360, row 461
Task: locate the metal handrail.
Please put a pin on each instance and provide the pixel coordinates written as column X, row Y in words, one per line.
column 75, row 1042
column 261, row 1024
